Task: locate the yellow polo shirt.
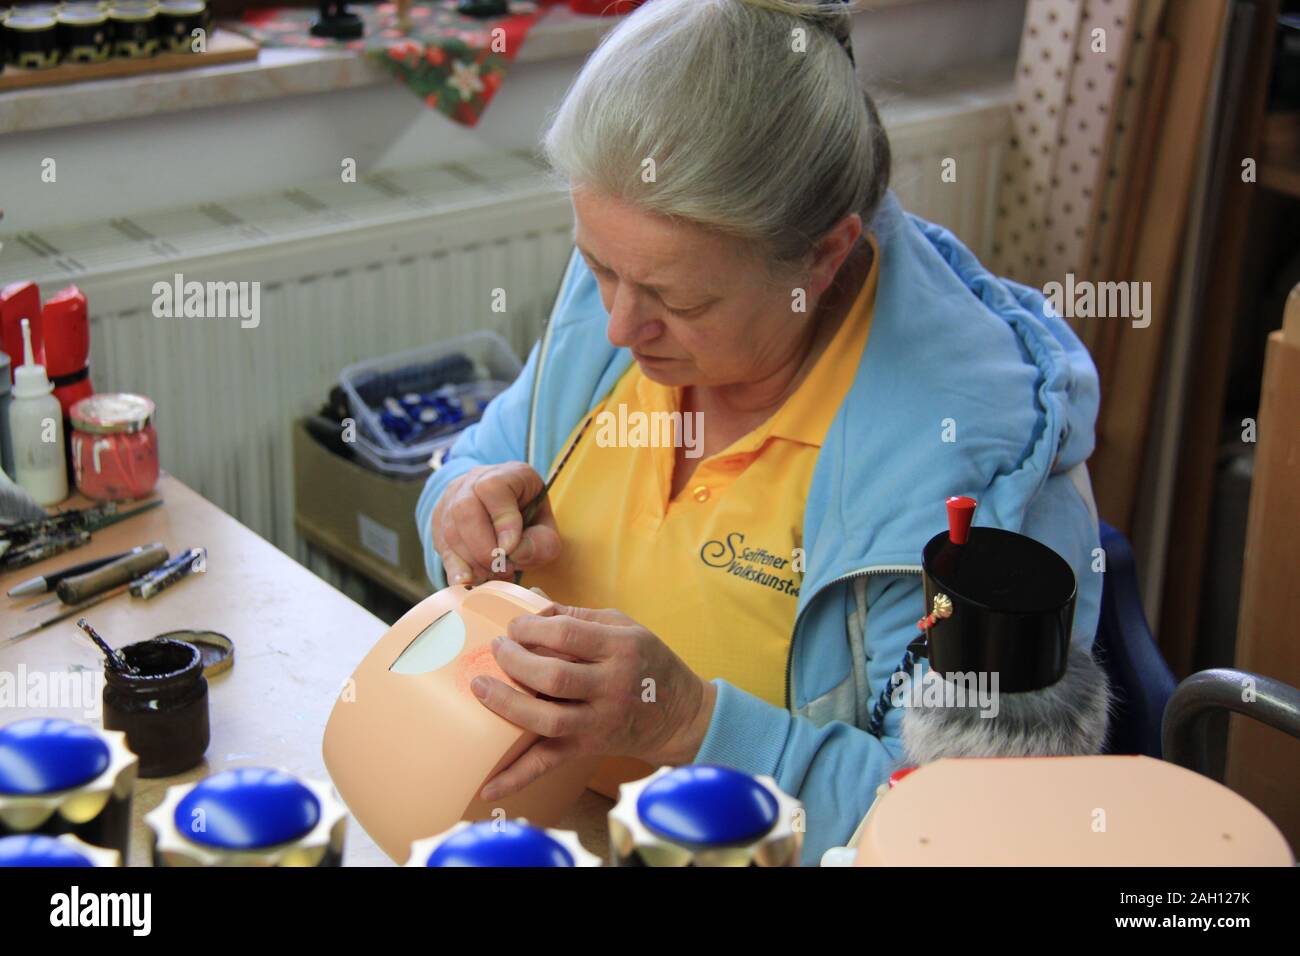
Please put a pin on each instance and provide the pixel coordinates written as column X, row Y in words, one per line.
column 714, row 572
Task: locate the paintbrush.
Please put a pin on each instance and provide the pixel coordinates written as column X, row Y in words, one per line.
column 531, row 509
column 36, row 628
column 145, row 586
column 534, row 506
column 28, row 542
column 115, row 660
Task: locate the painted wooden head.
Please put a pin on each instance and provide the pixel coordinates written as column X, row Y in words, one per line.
column 409, row 746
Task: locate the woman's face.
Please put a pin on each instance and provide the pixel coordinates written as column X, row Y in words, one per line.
column 691, row 306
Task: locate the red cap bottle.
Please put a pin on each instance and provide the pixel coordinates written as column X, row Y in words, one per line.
column 67, row 346
column 18, row 301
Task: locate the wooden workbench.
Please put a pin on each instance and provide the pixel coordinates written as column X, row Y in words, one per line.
column 296, row 640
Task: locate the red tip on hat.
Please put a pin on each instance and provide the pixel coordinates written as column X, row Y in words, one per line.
column 960, row 512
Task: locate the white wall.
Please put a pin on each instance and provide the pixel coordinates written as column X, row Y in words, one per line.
column 121, row 167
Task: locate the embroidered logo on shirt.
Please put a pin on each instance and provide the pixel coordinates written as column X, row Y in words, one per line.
column 752, row 564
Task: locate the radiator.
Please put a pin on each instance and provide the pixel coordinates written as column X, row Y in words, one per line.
column 356, row 270
column 347, row 270
column 960, row 127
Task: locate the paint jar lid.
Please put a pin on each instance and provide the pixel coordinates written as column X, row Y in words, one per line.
column 39, row 850
column 707, row 816
column 84, row 15
column 217, row 650
column 135, row 12
column 31, row 10
column 111, row 412
column 501, row 843
column 30, row 22
column 248, row 816
column 54, row 767
column 177, row 8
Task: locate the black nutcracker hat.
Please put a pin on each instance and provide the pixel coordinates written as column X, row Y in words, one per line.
column 999, row 602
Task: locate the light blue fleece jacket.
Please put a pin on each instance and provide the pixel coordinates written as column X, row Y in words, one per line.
column 965, row 387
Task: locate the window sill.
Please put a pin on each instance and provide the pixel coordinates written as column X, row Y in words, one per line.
column 884, row 27
column 275, row 73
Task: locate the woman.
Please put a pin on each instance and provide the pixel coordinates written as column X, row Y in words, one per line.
column 831, row 368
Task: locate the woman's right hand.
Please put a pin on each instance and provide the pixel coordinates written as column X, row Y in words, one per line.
column 482, row 511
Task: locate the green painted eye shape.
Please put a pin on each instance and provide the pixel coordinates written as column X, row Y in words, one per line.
column 436, row 646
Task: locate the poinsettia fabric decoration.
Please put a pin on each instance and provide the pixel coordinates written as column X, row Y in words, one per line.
column 453, row 62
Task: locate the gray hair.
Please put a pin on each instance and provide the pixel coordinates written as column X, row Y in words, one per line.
column 748, row 112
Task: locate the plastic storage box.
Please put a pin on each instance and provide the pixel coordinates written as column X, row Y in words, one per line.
column 418, row 370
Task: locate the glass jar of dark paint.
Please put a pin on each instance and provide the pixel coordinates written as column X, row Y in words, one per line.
column 163, row 708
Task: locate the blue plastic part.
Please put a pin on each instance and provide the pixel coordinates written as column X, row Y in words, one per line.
column 507, row 843
column 704, row 805
column 35, row 849
column 46, row 755
column 249, row 808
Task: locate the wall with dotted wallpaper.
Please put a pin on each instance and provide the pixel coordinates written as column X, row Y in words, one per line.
column 1075, row 65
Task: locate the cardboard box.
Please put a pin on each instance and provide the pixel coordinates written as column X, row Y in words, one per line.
column 358, row 517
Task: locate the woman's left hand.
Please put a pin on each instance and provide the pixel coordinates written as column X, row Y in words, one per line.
column 611, row 688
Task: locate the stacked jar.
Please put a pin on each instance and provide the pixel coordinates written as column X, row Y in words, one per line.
column 31, row 36
column 37, row 36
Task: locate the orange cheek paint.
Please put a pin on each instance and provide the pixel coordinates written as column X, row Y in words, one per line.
column 476, row 662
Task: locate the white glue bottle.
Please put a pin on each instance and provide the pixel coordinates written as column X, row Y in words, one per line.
column 36, row 430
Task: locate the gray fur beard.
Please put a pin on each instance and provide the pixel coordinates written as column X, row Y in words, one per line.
column 1066, row 719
